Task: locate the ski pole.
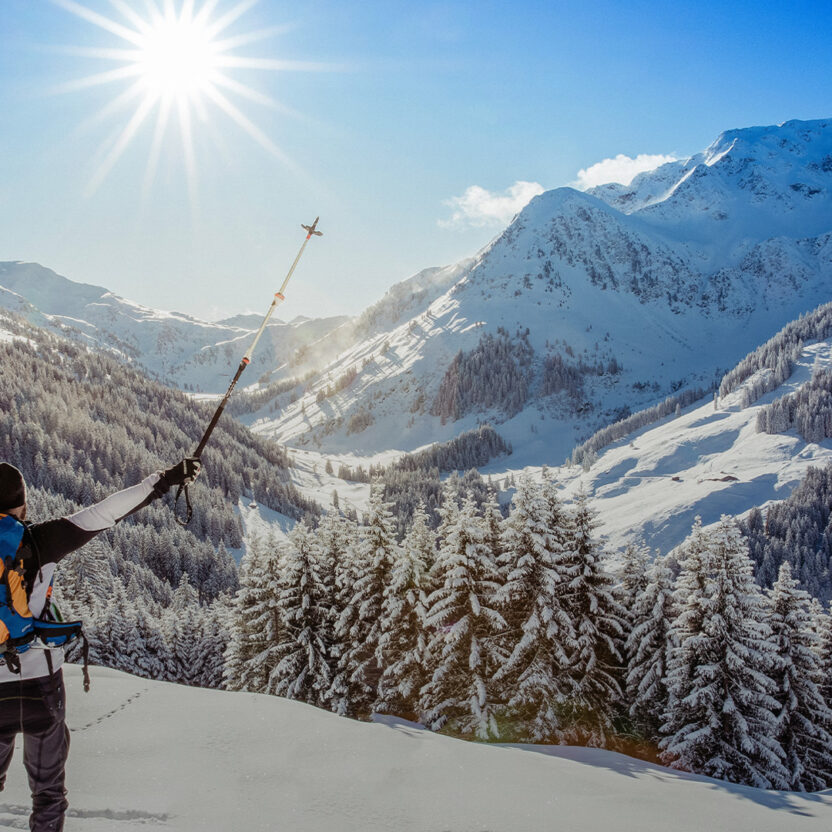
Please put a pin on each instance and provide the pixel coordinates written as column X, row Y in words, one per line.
column 311, row 231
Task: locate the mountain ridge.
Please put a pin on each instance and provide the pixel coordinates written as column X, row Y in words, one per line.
column 173, row 347
column 674, row 293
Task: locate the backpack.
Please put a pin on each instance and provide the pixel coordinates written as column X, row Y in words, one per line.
column 19, row 629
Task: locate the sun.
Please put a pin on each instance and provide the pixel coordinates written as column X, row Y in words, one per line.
column 177, row 58
column 174, row 62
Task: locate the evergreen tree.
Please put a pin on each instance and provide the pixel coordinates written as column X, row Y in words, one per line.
column 303, row 669
column 822, row 627
column 421, row 540
column 215, row 637
column 255, row 620
column 633, row 579
column 463, row 653
column 123, row 647
column 803, row 720
column 154, row 660
column 721, row 715
column 530, row 680
column 344, row 613
column 401, row 646
column 595, row 663
column 494, row 525
column 354, row 687
column 334, row 558
column 180, row 629
column 648, row 649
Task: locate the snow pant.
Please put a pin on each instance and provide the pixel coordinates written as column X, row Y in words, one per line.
column 37, row 708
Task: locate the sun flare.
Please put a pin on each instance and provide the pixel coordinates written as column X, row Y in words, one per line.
column 176, row 59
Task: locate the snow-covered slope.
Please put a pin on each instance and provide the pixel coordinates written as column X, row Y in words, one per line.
column 177, row 349
column 649, row 486
column 707, row 461
column 675, row 277
column 151, row 755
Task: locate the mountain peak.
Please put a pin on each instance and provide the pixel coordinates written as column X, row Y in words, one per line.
column 591, row 303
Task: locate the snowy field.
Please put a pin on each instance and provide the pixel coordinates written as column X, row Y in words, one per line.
column 151, row 755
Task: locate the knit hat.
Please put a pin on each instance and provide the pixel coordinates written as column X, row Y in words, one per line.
column 12, row 487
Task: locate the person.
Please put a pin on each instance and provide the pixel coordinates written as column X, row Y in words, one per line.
column 33, row 700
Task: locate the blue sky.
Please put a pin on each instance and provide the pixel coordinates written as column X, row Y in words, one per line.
column 397, row 110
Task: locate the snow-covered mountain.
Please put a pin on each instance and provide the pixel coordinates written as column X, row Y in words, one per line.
column 649, row 485
column 177, row 349
column 590, row 305
column 216, row 761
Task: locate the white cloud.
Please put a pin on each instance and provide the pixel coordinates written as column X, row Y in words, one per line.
column 480, row 207
column 621, row 169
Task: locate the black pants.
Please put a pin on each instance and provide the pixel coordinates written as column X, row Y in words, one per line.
column 37, row 708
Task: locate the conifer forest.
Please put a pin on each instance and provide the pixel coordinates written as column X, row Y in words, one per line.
column 490, row 621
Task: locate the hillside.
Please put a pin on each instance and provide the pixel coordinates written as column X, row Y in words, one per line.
column 221, row 761
column 591, row 305
column 81, row 425
column 650, row 483
column 178, row 349
column 706, row 461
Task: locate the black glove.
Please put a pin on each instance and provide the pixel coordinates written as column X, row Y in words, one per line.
column 184, row 472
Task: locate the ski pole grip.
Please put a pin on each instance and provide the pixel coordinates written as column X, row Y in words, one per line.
column 189, row 509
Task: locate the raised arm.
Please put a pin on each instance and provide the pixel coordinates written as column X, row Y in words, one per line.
column 54, row 539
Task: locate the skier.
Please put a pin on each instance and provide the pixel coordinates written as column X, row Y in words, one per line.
column 33, row 700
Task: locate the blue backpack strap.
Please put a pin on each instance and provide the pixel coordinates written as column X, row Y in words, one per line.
column 11, row 533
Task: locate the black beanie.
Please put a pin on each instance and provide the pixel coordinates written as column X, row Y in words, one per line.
column 12, row 487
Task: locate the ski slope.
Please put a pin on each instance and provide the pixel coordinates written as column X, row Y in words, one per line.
column 153, row 755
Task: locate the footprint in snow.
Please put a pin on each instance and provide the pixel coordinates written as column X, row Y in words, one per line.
column 17, row 817
column 111, row 713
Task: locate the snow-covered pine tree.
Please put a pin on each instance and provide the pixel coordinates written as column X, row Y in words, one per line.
column 822, row 627
column 334, row 558
column 255, row 620
column 721, row 714
column 401, row 646
column 123, row 647
column 154, row 661
column 633, row 578
column 182, row 631
column 463, row 651
column 595, row 664
column 648, row 649
column 358, row 630
column 421, row 539
column 494, row 524
column 343, row 611
column 448, row 515
column 558, row 520
column 804, row 721
column 303, row 669
column 214, row 636
column 530, row 680
column 84, row 580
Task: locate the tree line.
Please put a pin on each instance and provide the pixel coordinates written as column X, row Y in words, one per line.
column 774, row 360
column 515, row 629
column 797, row 531
column 807, row 410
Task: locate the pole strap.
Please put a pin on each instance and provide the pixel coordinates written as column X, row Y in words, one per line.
column 189, row 509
